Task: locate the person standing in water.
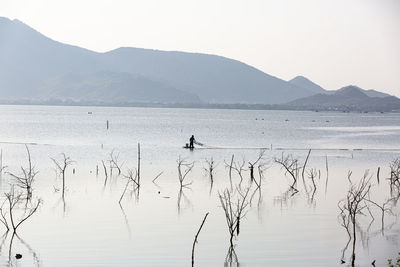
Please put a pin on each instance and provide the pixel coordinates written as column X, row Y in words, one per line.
column 191, row 142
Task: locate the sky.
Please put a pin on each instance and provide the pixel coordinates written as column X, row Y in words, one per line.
column 334, row 43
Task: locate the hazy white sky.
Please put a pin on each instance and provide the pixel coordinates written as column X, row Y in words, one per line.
column 332, row 42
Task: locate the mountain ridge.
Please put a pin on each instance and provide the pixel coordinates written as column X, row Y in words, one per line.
column 215, row 79
column 37, row 67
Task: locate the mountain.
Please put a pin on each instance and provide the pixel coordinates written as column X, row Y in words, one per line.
column 370, row 93
column 303, row 82
column 36, row 67
column 349, row 98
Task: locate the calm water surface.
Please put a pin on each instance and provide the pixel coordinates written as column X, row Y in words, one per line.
column 157, row 228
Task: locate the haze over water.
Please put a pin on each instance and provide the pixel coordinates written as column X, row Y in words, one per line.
column 157, row 228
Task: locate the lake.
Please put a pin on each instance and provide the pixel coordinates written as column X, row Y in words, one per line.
column 156, row 225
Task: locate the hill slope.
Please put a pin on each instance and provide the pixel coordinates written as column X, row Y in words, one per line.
column 349, row 98
column 303, row 82
column 31, row 61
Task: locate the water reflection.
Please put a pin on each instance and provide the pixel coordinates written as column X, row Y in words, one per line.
column 231, row 259
column 15, row 256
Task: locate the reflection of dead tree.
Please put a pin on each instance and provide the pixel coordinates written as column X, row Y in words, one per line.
column 231, row 258
column 182, row 196
column 61, row 168
column 132, row 178
column 195, row 238
column 235, row 208
column 261, row 168
column 26, row 179
column 114, row 162
column 353, row 206
column 395, row 177
column 251, row 164
column 312, row 174
column 14, row 199
column 230, row 166
column 210, row 169
column 105, row 172
column 290, row 164
column 183, row 169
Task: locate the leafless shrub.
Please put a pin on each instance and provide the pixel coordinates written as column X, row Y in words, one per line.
column 291, row 167
column 395, row 177
column 252, row 164
column 238, row 167
column 14, row 200
column 235, row 208
column 61, row 168
column 352, row 206
column 27, row 177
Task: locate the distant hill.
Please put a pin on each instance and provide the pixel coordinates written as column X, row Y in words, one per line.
column 303, row 82
column 349, row 98
column 370, row 93
column 36, row 67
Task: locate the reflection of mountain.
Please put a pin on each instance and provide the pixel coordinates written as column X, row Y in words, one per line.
column 347, row 99
column 33, row 66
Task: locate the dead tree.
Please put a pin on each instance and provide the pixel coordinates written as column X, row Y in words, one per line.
column 235, row 208
column 132, row 178
column 352, row 206
column 183, row 169
column 261, row 168
column 114, row 164
column 61, row 168
column 197, row 235
column 238, row 167
column 252, row 164
column 291, row 167
column 14, row 199
column 395, row 177
column 27, row 177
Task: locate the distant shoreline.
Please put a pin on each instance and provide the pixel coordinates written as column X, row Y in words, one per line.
column 196, row 106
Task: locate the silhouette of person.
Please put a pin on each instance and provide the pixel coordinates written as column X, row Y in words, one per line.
column 191, row 141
